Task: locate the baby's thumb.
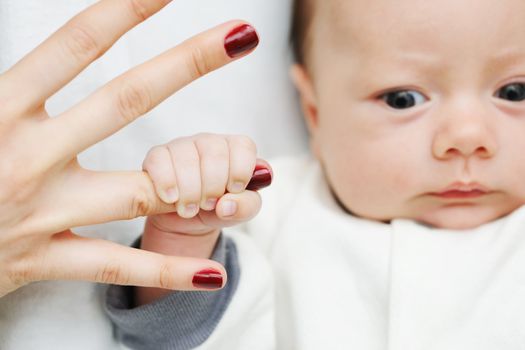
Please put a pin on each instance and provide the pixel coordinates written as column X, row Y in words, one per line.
column 244, row 206
column 238, row 207
column 96, row 260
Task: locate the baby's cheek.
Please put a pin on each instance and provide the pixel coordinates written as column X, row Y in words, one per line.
column 368, row 183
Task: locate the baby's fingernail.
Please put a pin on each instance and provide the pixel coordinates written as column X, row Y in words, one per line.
column 210, row 204
column 208, row 279
column 228, row 208
column 172, row 195
column 261, row 178
column 188, row 210
column 237, row 187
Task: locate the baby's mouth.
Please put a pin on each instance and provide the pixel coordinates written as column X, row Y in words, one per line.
column 460, row 194
column 460, row 190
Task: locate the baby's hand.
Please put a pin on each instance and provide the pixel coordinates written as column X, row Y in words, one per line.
column 205, row 176
column 195, row 173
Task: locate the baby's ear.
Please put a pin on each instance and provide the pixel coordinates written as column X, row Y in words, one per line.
column 304, row 85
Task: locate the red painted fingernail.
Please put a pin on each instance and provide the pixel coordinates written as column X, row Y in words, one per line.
column 261, row 178
column 208, row 279
column 240, row 40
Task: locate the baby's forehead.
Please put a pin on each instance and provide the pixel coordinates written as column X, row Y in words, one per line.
column 421, row 22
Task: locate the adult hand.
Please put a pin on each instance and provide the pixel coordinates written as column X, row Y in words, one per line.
column 44, row 191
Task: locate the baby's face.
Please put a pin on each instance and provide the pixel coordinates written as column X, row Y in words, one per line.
column 406, row 98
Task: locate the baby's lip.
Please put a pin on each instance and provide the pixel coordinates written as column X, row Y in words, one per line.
column 461, row 189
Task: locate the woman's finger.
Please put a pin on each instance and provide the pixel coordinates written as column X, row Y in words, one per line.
column 73, row 47
column 262, row 176
column 139, row 90
column 70, row 257
column 92, row 197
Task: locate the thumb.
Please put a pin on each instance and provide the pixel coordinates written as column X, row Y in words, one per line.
column 71, row 257
column 234, row 208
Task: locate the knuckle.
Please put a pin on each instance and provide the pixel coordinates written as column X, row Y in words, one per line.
column 20, row 273
column 141, row 205
column 204, row 135
column 112, row 273
column 138, row 9
column 156, row 155
column 81, row 43
column 134, row 99
column 166, row 276
column 212, row 147
column 245, row 142
column 197, row 63
column 184, row 151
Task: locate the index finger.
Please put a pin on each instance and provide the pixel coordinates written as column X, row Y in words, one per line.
column 74, row 46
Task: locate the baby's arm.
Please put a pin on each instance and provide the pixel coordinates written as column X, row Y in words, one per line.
column 200, row 169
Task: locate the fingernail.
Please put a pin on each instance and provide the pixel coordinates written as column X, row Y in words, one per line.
column 208, row 279
column 228, row 208
column 237, row 187
column 210, row 204
column 240, row 40
column 188, row 210
column 261, row 178
column 172, row 194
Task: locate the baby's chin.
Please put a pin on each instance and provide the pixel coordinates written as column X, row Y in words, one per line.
column 462, row 217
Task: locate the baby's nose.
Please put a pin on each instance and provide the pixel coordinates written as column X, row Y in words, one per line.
column 466, row 136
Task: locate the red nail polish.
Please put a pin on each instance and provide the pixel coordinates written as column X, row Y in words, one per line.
column 208, row 279
column 261, row 178
column 240, row 40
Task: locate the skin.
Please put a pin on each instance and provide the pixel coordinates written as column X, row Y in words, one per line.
column 201, row 167
column 382, row 163
column 44, row 192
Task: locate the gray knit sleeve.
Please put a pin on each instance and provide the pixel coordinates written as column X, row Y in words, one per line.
column 181, row 320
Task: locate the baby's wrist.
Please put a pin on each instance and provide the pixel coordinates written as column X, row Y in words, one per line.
column 178, row 244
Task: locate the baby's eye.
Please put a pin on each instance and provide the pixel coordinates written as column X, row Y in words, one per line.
column 403, row 99
column 512, row 92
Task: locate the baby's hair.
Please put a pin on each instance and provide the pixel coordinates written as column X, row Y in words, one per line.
column 301, row 22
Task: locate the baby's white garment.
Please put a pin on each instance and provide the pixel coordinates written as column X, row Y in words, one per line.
column 348, row 283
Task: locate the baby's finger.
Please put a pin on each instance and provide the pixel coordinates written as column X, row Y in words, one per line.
column 214, row 158
column 243, row 157
column 160, row 168
column 71, row 257
column 238, row 207
column 186, row 162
